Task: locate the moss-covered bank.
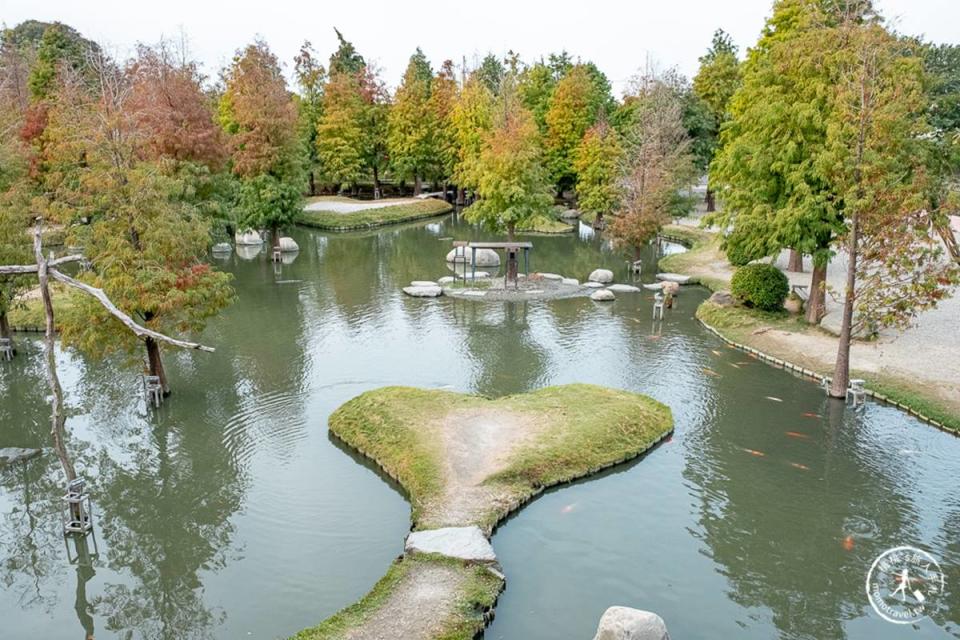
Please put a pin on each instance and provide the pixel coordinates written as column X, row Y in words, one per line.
column 378, row 217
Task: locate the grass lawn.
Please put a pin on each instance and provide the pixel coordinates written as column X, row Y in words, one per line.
column 704, row 260
column 591, row 428
column 368, row 218
column 543, row 224
column 29, row 315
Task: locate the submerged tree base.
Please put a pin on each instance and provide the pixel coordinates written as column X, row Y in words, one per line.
column 464, row 461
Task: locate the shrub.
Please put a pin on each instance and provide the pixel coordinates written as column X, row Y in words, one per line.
column 740, row 251
column 762, row 286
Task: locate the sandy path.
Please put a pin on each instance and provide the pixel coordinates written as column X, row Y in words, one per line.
column 478, row 443
column 350, row 207
column 416, row 610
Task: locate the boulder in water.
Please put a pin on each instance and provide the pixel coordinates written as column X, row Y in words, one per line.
column 603, row 276
column 222, row 247
column 423, row 292
column 288, row 245
column 624, row 623
column 484, row 257
column 602, row 295
column 249, row 238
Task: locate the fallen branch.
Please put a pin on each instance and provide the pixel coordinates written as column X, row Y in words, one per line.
column 12, row 270
column 141, row 331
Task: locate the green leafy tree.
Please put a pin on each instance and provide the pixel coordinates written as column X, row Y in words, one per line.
column 340, row 134
column 259, row 114
column 574, row 108
column 60, row 46
column 716, row 81
column 598, row 164
column 491, row 73
column 538, row 82
column 311, row 77
column 774, row 196
column 511, row 181
column 873, row 160
column 443, row 99
column 412, row 123
column 472, row 121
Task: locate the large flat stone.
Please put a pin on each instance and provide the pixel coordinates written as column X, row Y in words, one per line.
column 10, row 455
column 679, row 278
column 624, row 623
column 465, row 543
column 423, row 292
column 623, row 288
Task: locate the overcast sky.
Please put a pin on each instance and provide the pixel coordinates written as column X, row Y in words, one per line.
column 616, row 34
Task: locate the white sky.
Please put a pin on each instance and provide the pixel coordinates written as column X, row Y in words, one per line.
column 618, row 35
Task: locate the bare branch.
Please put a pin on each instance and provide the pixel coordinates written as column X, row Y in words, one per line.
column 66, row 259
column 141, row 331
column 11, row 270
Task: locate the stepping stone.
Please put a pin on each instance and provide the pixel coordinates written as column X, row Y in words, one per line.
column 656, row 286
column 473, row 294
column 593, row 285
column 446, row 280
column 423, row 292
column 423, row 283
column 551, row 276
column 573, row 282
column 623, row 288
column 673, row 277
column 470, row 275
column 11, row 455
column 601, row 275
column 465, row 543
column 602, row 295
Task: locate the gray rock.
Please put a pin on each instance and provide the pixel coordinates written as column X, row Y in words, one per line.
column 602, row 295
column 569, row 214
column 473, row 294
column 573, row 282
column 601, row 275
column 470, row 275
column 288, row 245
column 222, row 247
column 593, row 285
column 446, row 280
column 623, row 288
column 425, row 283
column 551, row 276
column 656, row 286
column 423, row 292
column 465, row 543
column 624, row 623
column 673, row 277
column 484, row 257
column 249, row 238
column 249, row 251
column 11, row 455
column 722, row 298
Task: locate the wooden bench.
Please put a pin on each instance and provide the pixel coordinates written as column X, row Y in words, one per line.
column 802, row 291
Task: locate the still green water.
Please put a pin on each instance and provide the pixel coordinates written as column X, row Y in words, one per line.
column 230, row 513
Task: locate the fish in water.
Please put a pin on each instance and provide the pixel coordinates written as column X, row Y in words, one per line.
column 796, row 434
column 654, row 337
column 742, row 362
column 716, row 353
column 772, row 398
column 734, row 365
column 754, row 452
column 848, row 543
column 568, row 508
column 710, row 372
column 797, row 465
column 807, row 414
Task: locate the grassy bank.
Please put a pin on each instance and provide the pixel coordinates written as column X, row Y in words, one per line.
column 704, row 260
column 368, row 218
column 590, row 428
column 544, row 224
column 753, row 328
column 29, row 315
column 477, row 591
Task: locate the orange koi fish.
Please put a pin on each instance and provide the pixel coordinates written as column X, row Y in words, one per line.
column 734, row 365
column 568, row 508
column 802, row 467
column 754, row 452
column 716, row 353
column 807, row 414
column 796, row 434
column 848, row 543
column 710, row 372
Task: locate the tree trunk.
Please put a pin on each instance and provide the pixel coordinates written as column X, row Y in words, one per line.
column 795, row 263
column 376, row 184
column 156, row 364
column 841, row 370
column 313, row 184
column 711, row 200
column 275, row 236
column 598, row 224
column 4, row 325
column 461, row 196
column 417, row 185
column 818, row 296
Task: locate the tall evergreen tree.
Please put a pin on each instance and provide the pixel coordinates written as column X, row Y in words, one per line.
column 412, row 123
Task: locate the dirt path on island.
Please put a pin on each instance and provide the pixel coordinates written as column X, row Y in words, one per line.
column 477, row 444
column 426, row 588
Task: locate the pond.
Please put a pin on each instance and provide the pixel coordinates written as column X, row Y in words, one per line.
column 230, row 513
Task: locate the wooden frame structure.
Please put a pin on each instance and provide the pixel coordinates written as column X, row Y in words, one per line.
column 511, row 249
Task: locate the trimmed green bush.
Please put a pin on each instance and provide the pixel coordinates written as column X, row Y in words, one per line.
column 761, row 286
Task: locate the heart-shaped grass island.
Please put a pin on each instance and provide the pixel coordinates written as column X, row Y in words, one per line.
column 466, row 462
